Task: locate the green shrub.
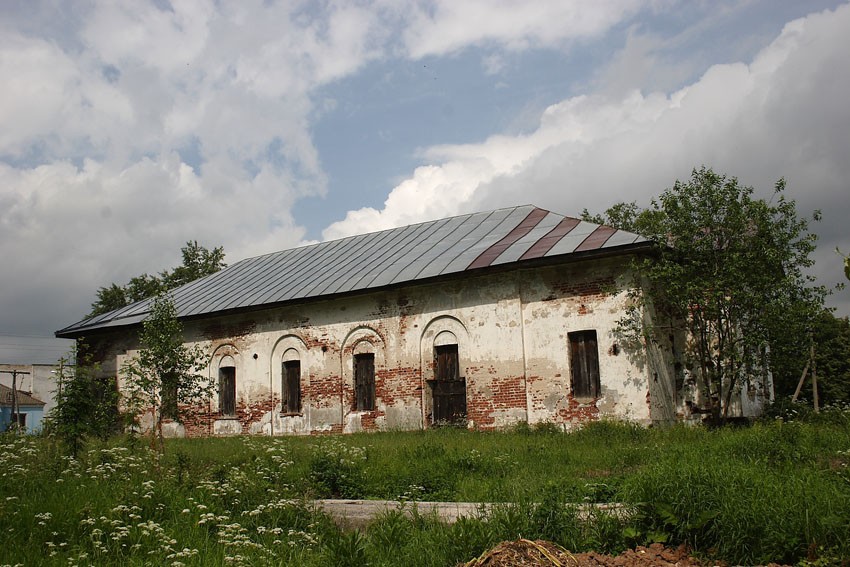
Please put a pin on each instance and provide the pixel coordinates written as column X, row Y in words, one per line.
column 751, row 497
column 337, row 469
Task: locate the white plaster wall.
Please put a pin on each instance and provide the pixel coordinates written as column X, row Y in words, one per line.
column 595, row 299
column 511, row 329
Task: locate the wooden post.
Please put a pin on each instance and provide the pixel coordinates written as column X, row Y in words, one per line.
column 813, row 364
column 61, row 375
column 814, row 378
column 15, row 415
column 800, row 383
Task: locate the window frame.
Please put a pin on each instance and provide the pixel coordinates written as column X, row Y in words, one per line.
column 222, row 399
column 169, row 401
column 18, row 420
column 448, row 387
column 286, row 388
column 585, row 375
column 447, row 353
column 364, row 385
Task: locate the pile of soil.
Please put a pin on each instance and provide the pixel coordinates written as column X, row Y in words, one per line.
column 540, row 553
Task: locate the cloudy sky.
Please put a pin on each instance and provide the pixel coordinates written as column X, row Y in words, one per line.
column 128, row 128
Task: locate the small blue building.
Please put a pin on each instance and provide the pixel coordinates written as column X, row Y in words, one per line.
column 30, row 411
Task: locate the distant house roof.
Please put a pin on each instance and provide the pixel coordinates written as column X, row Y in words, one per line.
column 24, row 399
column 465, row 243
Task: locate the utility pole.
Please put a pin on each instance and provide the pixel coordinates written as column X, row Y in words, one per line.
column 814, row 378
column 14, row 374
column 61, row 375
column 811, row 364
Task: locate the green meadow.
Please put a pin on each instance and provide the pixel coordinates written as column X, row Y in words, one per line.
column 775, row 491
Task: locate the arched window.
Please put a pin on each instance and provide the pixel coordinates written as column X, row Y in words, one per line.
column 227, row 386
column 291, row 381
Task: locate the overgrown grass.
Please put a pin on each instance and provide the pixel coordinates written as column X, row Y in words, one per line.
column 459, row 465
column 777, row 491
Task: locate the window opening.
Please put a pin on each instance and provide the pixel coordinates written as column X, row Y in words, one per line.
column 291, row 386
column 584, row 364
column 19, row 420
column 227, row 391
column 168, row 393
column 364, row 381
column 448, row 389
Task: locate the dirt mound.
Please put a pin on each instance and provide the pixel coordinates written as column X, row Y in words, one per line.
column 540, row 553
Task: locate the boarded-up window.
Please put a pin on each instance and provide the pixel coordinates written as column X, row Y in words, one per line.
column 364, row 381
column 227, row 391
column 291, row 386
column 584, row 363
column 448, row 389
column 446, row 364
column 169, row 396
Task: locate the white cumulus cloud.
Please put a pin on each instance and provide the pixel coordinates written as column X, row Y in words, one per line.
column 783, row 114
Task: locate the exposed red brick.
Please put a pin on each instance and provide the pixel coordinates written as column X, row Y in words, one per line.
column 505, row 393
column 576, row 412
column 397, row 384
column 322, row 391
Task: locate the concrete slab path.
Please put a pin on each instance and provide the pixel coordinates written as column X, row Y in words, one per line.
column 355, row 514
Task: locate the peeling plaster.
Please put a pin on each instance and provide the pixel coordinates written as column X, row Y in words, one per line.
column 511, row 329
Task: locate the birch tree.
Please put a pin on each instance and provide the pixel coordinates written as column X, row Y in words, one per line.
column 165, row 373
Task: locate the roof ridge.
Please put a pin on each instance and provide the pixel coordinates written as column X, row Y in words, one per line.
column 321, row 242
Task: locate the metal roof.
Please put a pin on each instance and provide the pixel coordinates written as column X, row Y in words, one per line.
column 369, row 261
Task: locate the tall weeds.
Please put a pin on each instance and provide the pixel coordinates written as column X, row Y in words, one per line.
column 777, row 491
column 774, row 492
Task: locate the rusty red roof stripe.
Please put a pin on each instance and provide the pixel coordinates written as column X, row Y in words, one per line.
column 542, row 246
column 529, row 222
column 596, row 239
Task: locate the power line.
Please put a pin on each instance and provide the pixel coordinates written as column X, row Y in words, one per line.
column 26, row 336
column 55, row 348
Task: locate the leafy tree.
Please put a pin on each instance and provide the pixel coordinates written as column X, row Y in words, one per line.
column 142, row 287
column 729, row 275
column 165, row 373
column 109, row 299
column 846, row 263
column 831, row 336
column 625, row 216
column 198, row 262
column 86, row 403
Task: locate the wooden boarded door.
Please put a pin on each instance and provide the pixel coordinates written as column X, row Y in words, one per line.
column 448, row 389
